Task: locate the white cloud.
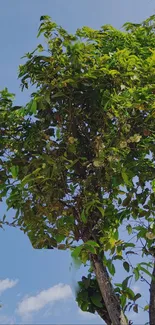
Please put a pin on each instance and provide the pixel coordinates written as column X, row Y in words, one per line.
column 7, row 284
column 62, row 308
column 34, row 303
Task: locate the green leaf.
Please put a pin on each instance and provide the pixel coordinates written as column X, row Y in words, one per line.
column 126, row 266
column 125, row 177
column 85, row 256
column 96, row 300
column 130, row 252
column 76, row 252
column 130, row 293
column 72, row 188
column 4, row 217
column 59, row 238
column 101, row 210
column 129, row 229
column 116, row 234
column 83, row 217
column 123, row 301
column 98, row 163
column 136, row 273
column 146, row 308
column 84, row 306
column 33, row 108
column 58, row 94
column 111, row 267
column 45, row 17
column 125, row 282
column 40, row 48
column 90, row 248
column 118, row 257
column 58, row 133
column 85, row 296
column 29, row 178
column 92, row 243
column 137, row 296
column 14, row 171
column 135, row 308
column 145, row 271
column 129, row 244
column 153, row 185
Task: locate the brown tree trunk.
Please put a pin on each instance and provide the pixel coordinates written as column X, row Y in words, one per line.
column 111, row 301
column 152, row 298
column 104, row 315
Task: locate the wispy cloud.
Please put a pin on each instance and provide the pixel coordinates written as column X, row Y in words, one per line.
column 7, row 284
column 34, row 303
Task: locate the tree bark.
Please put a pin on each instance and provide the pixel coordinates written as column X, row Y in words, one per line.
column 152, row 298
column 104, row 315
column 111, row 301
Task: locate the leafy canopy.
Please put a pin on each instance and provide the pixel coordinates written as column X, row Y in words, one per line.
column 78, row 159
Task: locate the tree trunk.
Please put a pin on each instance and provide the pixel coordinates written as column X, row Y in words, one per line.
column 111, row 301
column 152, row 298
column 104, row 315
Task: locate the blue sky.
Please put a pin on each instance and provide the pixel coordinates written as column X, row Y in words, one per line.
column 35, row 286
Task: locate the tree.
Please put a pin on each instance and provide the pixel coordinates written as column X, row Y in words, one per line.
column 77, row 161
